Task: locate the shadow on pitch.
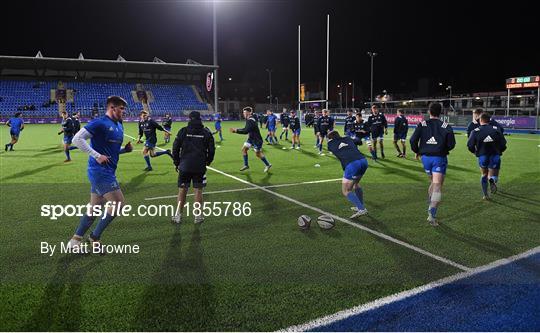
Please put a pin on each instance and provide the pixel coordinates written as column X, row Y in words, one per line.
column 536, row 214
column 476, row 242
column 516, row 197
column 32, row 171
column 401, row 172
column 134, row 184
column 60, row 305
column 180, row 297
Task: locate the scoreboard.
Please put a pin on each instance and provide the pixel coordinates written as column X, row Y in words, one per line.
column 523, row 82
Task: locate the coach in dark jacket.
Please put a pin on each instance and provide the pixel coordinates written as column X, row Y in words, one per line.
column 193, row 150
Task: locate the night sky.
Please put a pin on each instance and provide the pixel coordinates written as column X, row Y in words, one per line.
column 473, row 46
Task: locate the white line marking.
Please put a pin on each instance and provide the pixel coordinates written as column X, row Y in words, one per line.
column 359, row 226
column 323, row 321
column 251, row 188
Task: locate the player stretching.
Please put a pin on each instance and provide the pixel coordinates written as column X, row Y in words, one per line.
column 193, row 150
column 433, row 140
column 254, row 139
column 271, row 121
column 378, row 127
column 295, row 128
column 285, row 120
column 401, row 127
column 348, row 128
column 325, row 124
column 68, row 128
column 167, row 125
column 217, row 125
column 475, row 123
column 16, row 125
column 354, row 165
column 488, row 143
column 106, row 135
column 148, row 127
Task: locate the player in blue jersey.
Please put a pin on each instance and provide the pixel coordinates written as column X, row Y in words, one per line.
column 68, row 129
column 271, row 124
column 106, row 135
column 285, row 121
column 354, row 166
column 401, row 127
column 378, row 127
column 167, row 125
column 325, row 124
column 488, row 144
column 217, row 125
column 295, row 125
column 16, row 125
column 148, row 127
column 254, row 140
column 433, row 139
column 348, row 127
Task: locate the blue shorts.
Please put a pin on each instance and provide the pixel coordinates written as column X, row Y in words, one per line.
column 489, row 161
column 102, row 182
column 217, row 126
column 296, row 132
column 271, row 128
column 14, row 134
column 149, row 144
column 257, row 146
column 68, row 139
column 435, row 164
column 355, row 169
column 400, row 136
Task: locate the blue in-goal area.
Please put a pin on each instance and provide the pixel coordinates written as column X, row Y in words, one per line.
column 505, row 298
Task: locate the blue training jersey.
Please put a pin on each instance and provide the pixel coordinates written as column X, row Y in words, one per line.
column 107, row 137
column 16, row 124
column 217, row 118
column 272, row 120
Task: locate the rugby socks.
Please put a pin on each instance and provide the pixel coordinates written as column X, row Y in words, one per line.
column 484, row 182
column 360, row 194
column 266, row 139
column 355, row 200
column 432, row 210
column 495, row 179
column 373, row 154
column 159, row 153
column 265, row 161
column 245, row 160
column 84, row 224
column 103, row 223
column 220, row 136
column 67, row 154
column 147, row 159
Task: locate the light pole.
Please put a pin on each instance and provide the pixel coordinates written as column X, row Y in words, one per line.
column 215, row 58
column 270, row 85
column 277, row 104
column 353, row 94
column 372, row 55
column 449, row 89
column 340, row 100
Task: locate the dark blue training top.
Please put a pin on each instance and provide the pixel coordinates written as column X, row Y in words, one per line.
column 149, row 127
column 433, row 137
column 345, row 150
column 486, row 140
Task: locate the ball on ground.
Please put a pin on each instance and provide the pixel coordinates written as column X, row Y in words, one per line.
column 304, row 222
column 326, row 222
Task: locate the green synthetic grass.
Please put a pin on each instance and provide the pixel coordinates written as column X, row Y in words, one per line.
column 246, row 273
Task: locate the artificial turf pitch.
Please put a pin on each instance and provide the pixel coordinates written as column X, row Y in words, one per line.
column 246, row 273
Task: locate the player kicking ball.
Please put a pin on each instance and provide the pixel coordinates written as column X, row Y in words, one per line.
column 354, row 166
column 433, row 139
column 254, row 139
column 488, row 144
column 106, row 135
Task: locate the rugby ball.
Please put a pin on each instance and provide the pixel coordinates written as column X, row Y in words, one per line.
column 317, row 165
column 304, row 222
column 326, row 222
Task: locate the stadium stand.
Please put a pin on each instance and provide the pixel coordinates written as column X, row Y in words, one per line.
column 33, row 97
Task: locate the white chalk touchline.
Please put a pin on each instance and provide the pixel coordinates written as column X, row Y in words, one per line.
column 250, row 188
column 359, row 226
column 323, row 321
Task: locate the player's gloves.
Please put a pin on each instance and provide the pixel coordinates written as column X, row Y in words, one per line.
column 128, row 148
